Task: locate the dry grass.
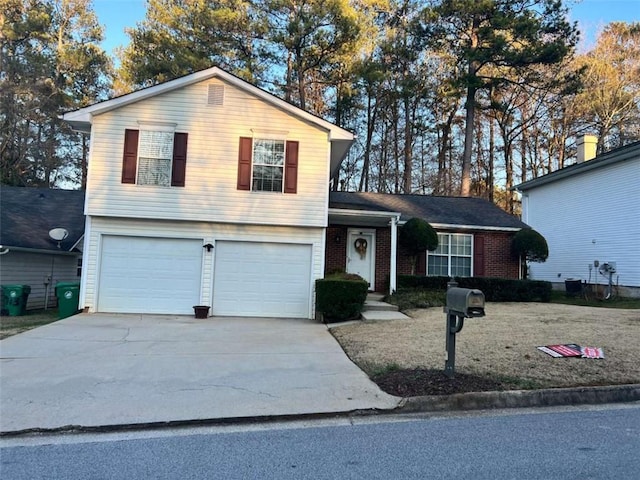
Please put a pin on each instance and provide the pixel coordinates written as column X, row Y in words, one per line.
column 503, row 344
column 34, row 318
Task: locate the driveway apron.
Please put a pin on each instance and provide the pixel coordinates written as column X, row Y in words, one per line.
column 103, row 370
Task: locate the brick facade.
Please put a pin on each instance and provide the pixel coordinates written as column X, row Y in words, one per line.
column 496, row 259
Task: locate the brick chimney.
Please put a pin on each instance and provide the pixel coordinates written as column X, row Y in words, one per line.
column 586, row 148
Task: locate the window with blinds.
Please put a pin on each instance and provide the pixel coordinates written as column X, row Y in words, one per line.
column 155, row 152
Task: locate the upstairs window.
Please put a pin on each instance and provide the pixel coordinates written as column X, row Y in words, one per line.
column 268, row 165
column 154, row 157
column 453, row 256
column 155, row 152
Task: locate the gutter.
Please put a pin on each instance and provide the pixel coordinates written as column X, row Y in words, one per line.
column 450, row 226
column 476, row 227
column 363, row 213
column 9, row 248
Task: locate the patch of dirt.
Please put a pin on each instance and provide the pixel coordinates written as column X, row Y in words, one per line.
column 501, row 346
column 418, row 382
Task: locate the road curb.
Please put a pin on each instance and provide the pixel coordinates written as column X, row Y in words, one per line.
column 426, row 404
column 521, row 398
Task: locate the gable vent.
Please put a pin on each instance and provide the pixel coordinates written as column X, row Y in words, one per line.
column 215, row 95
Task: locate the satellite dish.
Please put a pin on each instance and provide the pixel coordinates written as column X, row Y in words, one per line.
column 58, row 234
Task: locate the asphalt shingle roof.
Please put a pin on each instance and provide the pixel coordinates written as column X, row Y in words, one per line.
column 28, row 213
column 435, row 210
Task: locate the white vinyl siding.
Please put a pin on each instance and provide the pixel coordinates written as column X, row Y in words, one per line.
column 211, row 193
column 98, row 227
column 592, row 216
column 453, row 257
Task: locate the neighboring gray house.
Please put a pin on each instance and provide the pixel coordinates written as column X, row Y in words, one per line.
column 28, row 255
column 589, row 213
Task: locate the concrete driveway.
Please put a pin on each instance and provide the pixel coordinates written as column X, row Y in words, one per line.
column 104, row 370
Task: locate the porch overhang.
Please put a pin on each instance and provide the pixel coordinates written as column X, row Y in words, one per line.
column 372, row 218
column 361, row 218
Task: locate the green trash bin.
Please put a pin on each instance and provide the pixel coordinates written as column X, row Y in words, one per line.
column 68, row 294
column 15, row 299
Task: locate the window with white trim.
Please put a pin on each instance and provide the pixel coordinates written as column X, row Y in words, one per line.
column 155, row 153
column 268, row 165
column 453, row 257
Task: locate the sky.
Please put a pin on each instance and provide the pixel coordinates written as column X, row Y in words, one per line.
column 591, row 15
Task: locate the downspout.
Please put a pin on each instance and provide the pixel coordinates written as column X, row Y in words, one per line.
column 394, row 248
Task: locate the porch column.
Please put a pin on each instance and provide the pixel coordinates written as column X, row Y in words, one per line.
column 394, row 248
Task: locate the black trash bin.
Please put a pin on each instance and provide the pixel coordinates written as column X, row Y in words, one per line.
column 573, row 287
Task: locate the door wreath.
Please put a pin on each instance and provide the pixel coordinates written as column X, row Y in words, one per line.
column 361, row 247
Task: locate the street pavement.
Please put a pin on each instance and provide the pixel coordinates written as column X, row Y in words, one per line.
column 567, row 443
column 100, row 370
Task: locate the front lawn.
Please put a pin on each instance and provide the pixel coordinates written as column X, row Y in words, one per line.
column 498, row 351
column 33, row 318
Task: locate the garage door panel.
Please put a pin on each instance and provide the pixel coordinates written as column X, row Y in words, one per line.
column 262, row 279
column 149, row 275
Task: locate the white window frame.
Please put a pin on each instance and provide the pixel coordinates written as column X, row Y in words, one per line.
column 150, row 149
column 254, row 163
column 449, row 254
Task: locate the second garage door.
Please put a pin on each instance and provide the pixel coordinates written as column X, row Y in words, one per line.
column 262, row 279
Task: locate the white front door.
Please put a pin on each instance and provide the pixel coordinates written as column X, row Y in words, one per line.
column 361, row 254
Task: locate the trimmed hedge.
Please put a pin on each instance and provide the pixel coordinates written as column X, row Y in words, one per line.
column 341, row 296
column 419, row 281
column 494, row 289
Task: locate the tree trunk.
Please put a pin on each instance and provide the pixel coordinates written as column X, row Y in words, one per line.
column 470, row 106
column 508, row 164
column 371, row 119
column 408, row 140
column 490, row 179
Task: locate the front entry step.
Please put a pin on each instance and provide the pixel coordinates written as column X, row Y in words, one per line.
column 370, row 316
column 376, row 310
column 378, row 306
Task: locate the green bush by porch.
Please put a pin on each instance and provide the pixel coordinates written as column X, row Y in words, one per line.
column 341, row 296
column 494, row 289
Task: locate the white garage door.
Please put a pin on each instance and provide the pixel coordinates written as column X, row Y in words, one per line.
column 149, row 275
column 260, row 279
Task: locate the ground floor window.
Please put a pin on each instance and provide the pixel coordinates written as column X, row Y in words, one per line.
column 453, row 256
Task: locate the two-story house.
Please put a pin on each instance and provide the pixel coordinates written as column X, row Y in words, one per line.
column 207, row 190
column 196, row 195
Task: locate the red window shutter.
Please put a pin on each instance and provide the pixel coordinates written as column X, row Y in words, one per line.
column 130, row 156
column 478, row 256
column 291, row 168
column 244, row 163
column 179, row 165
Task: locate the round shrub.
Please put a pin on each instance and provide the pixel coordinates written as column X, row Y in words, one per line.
column 529, row 244
column 417, row 235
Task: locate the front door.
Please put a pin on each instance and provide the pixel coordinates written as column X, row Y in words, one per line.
column 361, row 254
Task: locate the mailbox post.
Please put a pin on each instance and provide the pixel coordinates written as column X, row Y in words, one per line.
column 461, row 303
